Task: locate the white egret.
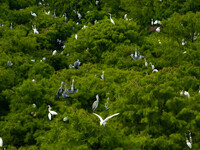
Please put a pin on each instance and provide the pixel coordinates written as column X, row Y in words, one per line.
column 97, row 2
column 33, row 80
column 145, row 62
column 106, row 104
column 79, row 15
column 47, row 13
column 155, row 70
column 35, row 30
column 189, row 142
column 65, row 119
column 102, row 76
column 152, row 23
column 199, row 89
column 183, row 42
column 54, row 52
column 11, row 27
column 34, row 106
column 112, row 21
column 95, row 104
column 1, row 142
column 185, row 93
column 63, row 47
column 44, row 58
column 152, row 66
column 125, row 17
column 76, row 36
column 159, row 41
column 33, row 14
column 103, row 122
column 60, row 90
column 158, row 29
column 65, row 15
column 51, row 113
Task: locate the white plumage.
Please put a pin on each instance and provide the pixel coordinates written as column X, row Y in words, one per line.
column 54, row 52
column 51, row 112
column 1, row 142
column 33, row 14
column 103, row 122
column 112, row 21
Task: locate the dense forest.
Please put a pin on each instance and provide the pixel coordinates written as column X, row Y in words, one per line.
column 64, row 62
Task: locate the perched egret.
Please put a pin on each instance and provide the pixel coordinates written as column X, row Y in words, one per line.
column 59, row 41
column 76, row 36
column 77, row 64
column 33, row 80
column 152, row 66
column 35, row 30
column 106, row 104
column 79, row 15
column 97, row 2
column 199, row 89
column 103, row 122
column 54, row 14
column 125, row 17
column 54, row 52
column 189, row 142
column 64, row 94
column 102, row 76
column 183, row 42
column 47, row 13
column 33, row 60
column 159, row 41
column 9, row 63
column 65, row 15
column 34, row 106
column 95, row 104
column 155, row 70
column 63, row 47
column 33, row 14
column 60, row 90
column 145, row 62
column 158, row 29
column 11, row 27
column 65, row 119
column 1, row 142
column 111, row 20
column 72, row 89
column 51, row 113
column 152, row 23
column 185, row 93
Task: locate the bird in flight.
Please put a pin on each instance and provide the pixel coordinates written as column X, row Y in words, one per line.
column 103, row 122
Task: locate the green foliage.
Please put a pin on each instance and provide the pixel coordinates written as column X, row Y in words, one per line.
column 153, row 113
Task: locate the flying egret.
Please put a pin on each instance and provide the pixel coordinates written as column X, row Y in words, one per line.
column 1, row 142
column 111, row 20
column 64, row 94
column 72, row 89
column 54, row 52
column 60, row 90
column 33, row 14
column 102, row 76
column 103, row 122
column 51, row 113
column 95, row 104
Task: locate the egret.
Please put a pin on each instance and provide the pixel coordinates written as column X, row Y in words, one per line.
column 54, row 52
column 84, row 27
column 63, row 47
column 183, row 42
column 159, row 41
column 34, row 106
column 199, row 89
column 35, row 30
column 189, row 142
column 76, row 36
column 9, row 63
column 157, row 22
column 111, row 20
column 158, row 29
column 33, row 80
column 72, row 89
column 33, row 14
column 60, row 90
column 44, row 58
column 51, row 113
column 64, row 94
column 1, row 142
column 79, row 15
column 54, row 14
column 187, row 94
column 145, row 62
column 125, row 17
column 59, row 41
column 33, row 60
column 77, row 64
column 11, row 27
column 47, row 13
column 103, row 122
column 95, row 104
column 65, row 119
column 65, row 15
column 152, row 66
column 155, row 70
column 152, row 23
column 106, row 104
column 102, row 76
column 97, row 2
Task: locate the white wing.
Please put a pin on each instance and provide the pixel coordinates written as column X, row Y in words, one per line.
column 49, row 115
column 53, row 112
column 1, row 142
column 111, row 117
column 98, row 116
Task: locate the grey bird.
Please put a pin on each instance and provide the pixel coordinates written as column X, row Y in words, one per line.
column 72, row 89
column 9, row 63
column 64, row 94
column 96, row 103
column 60, row 90
column 77, row 64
